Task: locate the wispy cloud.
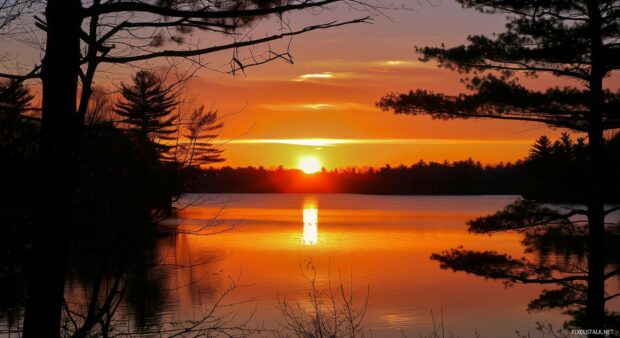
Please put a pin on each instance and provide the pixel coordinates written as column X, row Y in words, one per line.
column 316, row 106
column 349, row 64
column 324, row 75
column 331, row 142
column 310, row 142
column 319, row 76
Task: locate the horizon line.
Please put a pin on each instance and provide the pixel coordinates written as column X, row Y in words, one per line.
column 366, row 167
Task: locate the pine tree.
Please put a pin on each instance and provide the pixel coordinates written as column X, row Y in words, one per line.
column 202, row 129
column 147, row 107
column 542, row 148
column 17, row 132
column 571, row 39
column 15, row 100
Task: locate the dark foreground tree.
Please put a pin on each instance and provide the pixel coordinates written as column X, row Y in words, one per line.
column 147, row 107
column 15, row 102
column 202, row 128
column 80, row 36
column 576, row 40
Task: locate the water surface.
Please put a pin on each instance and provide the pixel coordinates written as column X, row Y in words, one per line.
column 380, row 244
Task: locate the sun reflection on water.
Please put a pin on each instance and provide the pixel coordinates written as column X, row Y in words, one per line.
column 311, row 221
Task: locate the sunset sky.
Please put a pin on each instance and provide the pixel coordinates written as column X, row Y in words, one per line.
column 324, row 104
column 330, row 92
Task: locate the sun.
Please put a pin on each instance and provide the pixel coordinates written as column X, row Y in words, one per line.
column 310, row 164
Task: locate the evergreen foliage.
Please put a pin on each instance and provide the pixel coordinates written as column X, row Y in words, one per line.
column 147, row 107
column 203, row 127
column 574, row 40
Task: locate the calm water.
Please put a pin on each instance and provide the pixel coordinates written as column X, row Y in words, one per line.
column 378, row 246
column 379, row 243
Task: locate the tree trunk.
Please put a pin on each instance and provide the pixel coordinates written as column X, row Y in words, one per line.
column 595, row 303
column 58, row 144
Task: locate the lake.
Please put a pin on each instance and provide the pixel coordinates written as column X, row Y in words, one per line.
column 277, row 248
column 378, row 246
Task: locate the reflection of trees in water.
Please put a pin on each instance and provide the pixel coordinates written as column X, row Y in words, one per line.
column 125, row 284
column 566, row 248
column 558, row 241
column 12, row 298
column 192, row 277
column 138, row 281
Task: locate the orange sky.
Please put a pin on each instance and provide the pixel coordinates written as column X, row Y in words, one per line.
column 330, row 92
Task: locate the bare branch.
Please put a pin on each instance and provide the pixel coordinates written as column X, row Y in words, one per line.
column 33, row 74
column 134, row 7
column 212, row 49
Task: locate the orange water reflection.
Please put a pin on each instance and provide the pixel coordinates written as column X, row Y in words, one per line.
column 311, row 221
column 384, row 242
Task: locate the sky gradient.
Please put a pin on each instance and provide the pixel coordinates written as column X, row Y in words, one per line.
column 323, row 105
column 275, row 111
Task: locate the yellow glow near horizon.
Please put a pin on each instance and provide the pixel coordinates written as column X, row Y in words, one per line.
column 310, row 164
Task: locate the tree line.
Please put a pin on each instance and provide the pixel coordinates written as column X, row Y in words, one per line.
column 541, row 176
column 432, row 178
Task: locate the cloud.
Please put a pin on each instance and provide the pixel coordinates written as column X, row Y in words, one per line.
column 349, row 64
column 323, row 75
column 317, row 106
column 339, row 70
column 310, row 142
column 331, row 142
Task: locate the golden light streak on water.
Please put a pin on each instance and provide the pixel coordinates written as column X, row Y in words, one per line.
column 311, row 222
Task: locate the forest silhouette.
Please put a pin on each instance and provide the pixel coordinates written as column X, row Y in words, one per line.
column 540, row 176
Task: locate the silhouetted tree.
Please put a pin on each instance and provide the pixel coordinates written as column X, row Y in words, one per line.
column 19, row 132
column 202, row 128
column 570, row 39
column 542, row 147
column 456, row 178
column 16, row 129
column 18, row 145
column 80, row 36
column 15, row 100
column 147, row 106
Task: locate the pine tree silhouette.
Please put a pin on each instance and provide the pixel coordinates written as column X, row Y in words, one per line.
column 202, row 129
column 147, row 106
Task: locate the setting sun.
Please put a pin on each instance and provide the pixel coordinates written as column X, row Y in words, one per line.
column 309, row 164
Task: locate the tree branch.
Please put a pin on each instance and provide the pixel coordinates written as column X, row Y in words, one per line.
column 610, row 297
column 611, row 273
column 33, row 74
column 196, row 52
column 609, row 211
column 135, row 7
